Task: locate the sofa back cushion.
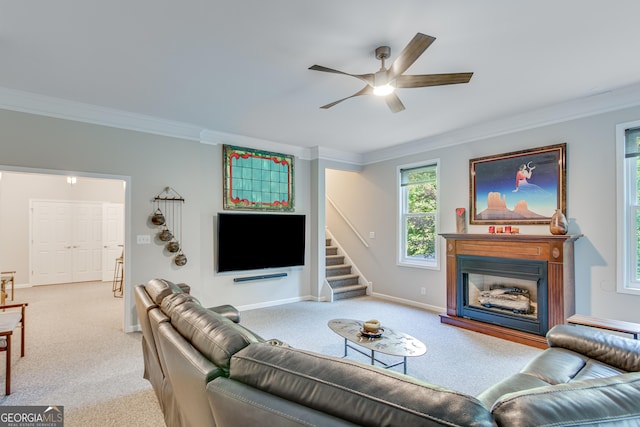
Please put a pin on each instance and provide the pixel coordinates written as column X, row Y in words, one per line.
column 614, row 350
column 609, row 401
column 358, row 393
column 213, row 335
column 158, row 289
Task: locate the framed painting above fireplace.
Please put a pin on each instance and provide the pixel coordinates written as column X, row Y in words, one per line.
column 521, row 187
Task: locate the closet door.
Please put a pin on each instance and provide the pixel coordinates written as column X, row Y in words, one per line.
column 112, row 237
column 51, row 253
column 87, row 242
column 66, row 242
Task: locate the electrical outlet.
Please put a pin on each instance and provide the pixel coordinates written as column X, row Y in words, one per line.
column 423, row 291
column 372, row 234
column 143, row 239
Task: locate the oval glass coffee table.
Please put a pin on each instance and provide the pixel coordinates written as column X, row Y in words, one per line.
column 390, row 342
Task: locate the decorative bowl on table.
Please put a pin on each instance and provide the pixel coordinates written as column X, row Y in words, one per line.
column 371, row 329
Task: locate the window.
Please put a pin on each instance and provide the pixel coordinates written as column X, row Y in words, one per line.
column 628, row 170
column 418, row 207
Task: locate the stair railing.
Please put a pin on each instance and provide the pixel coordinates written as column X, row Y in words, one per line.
column 346, row 220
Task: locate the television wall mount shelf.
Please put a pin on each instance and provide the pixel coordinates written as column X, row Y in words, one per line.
column 168, row 216
column 260, row 277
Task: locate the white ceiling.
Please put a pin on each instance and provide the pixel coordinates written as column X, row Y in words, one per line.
column 241, row 67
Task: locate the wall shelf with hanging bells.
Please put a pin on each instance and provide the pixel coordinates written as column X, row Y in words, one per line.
column 168, row 216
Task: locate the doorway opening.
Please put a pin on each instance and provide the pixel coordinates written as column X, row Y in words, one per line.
column 62, row 227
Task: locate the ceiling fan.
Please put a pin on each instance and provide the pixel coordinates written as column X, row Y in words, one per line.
column 385, row 81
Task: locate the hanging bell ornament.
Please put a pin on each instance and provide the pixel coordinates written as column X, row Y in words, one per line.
column 165, row 235
column 173, row 246
column 157, row 218
column 180, row 259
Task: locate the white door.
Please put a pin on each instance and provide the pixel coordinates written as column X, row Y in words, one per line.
column 112, row 237
column 87, row 242
column 51, row 255
column 66, row 242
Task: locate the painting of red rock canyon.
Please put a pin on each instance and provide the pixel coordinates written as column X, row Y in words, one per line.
column 522, row 187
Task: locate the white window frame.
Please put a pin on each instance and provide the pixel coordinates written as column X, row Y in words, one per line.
column 627, row 207
column 431, row 264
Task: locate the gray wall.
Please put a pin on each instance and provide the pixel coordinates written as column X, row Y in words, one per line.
column 150, row 163
column 369, row 200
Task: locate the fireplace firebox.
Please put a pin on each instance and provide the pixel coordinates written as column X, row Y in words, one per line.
column 514, row 287
column 500, row 291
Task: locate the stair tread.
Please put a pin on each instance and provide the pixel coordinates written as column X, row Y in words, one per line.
column 349, row 288
column 338, row 266
column 342, row 277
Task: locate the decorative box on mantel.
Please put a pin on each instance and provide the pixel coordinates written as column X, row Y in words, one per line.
column 511, row 286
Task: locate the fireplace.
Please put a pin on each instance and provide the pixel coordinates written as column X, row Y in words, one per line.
column 511, row 286
column 507, row 292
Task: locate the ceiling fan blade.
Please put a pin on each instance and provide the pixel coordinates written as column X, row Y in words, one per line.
column 394, row 102
column 409, row 54
column 367, row 78
column 423, row 80
column 367, row 90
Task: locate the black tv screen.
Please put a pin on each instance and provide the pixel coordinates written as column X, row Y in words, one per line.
column 256, row 241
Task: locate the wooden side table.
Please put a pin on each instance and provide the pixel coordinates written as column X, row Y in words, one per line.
column 609, row 324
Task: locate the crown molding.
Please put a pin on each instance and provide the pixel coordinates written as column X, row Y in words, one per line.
column 617, row 99
column 215, row 137
column 329, row 154
column 32, row 103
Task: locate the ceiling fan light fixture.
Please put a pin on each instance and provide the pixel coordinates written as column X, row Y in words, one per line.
column 383, row 90
column 381, row 84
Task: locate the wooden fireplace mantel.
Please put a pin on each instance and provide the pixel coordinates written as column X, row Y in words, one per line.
column 557, row 251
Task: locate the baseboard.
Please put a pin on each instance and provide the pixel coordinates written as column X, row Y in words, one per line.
column 280, row 302
column 411, row 303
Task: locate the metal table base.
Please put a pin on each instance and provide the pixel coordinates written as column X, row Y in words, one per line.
column 372, row 356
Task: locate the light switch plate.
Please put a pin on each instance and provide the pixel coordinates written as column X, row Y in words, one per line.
column 143, row 239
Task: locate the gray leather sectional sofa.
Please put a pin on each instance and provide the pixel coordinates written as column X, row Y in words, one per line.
column 208, row 370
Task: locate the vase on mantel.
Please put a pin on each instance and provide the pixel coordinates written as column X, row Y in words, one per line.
column 558, row 225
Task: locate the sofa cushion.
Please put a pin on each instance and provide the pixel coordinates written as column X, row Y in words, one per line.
column 517, row 382
column 603, row 402
column 358, row 393
column 610, row 349
column 158, row 289
column 556, row 365
column 594, row 369
column 215, row 336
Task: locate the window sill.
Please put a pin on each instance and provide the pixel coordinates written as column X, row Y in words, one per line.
column 628, row 291
column 424, row 266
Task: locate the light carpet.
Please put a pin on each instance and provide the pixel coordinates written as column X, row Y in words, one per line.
column 77, row 355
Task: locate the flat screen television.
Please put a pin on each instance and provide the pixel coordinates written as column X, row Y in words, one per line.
column 257, row 241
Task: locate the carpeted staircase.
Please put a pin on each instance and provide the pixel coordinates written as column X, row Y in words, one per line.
column 344, row 283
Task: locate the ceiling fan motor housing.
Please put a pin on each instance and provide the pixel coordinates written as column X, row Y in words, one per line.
column 383, row 52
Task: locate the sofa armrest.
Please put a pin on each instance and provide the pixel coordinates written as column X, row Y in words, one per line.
column 184, row 288
column 228, row 311
column 602, row 401
column 614, row 350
